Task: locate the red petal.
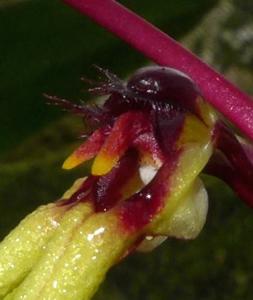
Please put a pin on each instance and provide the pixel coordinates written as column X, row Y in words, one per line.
column 88, row 149
column 125, row 130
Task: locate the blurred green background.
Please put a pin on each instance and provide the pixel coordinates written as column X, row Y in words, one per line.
column 46, row 47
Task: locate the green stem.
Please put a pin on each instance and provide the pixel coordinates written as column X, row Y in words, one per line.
column 21, row 248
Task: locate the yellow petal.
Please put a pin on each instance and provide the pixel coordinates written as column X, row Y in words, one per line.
column 103, row 164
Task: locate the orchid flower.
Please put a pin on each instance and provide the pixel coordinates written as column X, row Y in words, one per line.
column 150, row 139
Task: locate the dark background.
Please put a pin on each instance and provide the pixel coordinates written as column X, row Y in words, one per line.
column 46, row 47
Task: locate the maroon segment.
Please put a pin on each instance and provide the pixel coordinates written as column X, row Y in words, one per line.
column 168, row 127
column 234, row 152
column 140, row 209
column 232, row 163
column 107, row 190
column 219, row 167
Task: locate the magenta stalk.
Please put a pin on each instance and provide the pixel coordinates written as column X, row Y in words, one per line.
column 163, row 50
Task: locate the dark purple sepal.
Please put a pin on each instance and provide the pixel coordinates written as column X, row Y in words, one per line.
column 232, row 162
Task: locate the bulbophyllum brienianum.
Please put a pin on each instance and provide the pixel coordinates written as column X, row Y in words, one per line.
column 149, row 141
